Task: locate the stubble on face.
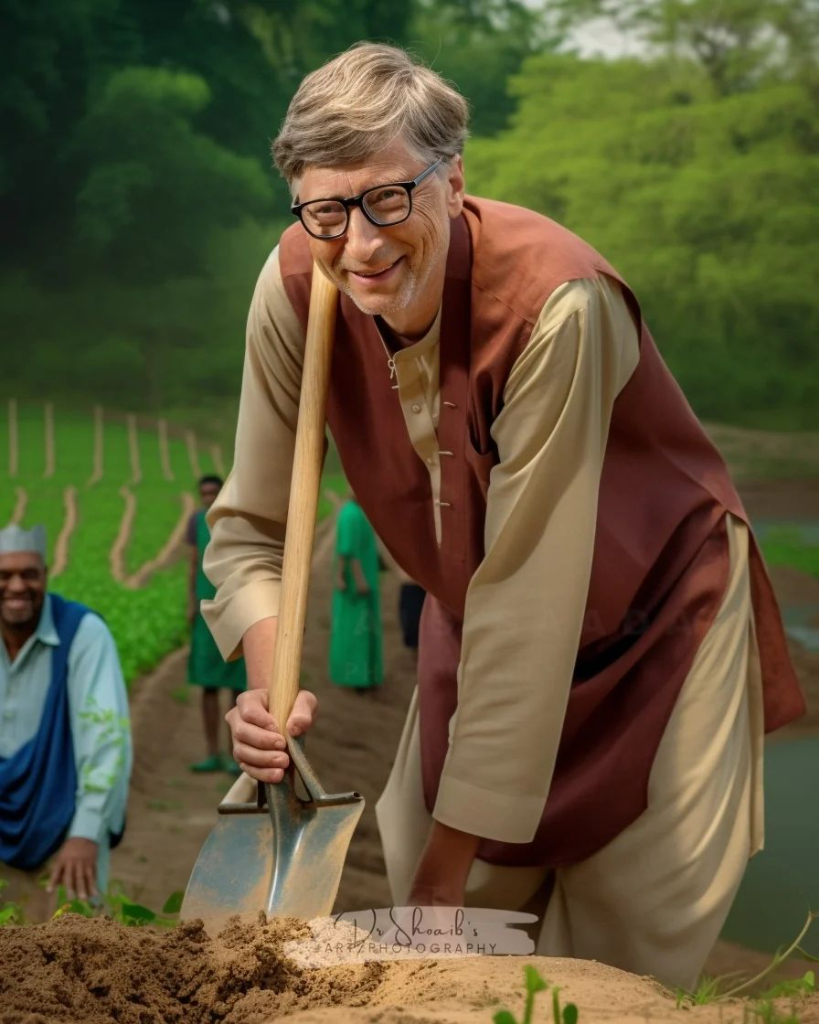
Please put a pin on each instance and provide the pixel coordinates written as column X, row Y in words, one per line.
column 412, row 284
column 416, row 249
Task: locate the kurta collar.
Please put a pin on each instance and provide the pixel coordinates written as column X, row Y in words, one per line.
column 46, row 631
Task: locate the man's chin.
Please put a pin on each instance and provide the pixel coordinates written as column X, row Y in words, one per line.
column 15, row 619
column 379, row 305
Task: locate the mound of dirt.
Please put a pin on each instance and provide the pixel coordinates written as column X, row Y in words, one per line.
column 98, row 972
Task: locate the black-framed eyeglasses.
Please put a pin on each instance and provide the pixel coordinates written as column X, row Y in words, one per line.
column 382, row 205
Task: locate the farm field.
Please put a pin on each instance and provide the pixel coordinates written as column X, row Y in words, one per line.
column 114, row 493
column 239, row 979
column 114, row 509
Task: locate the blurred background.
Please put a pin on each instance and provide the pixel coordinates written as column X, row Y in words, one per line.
column 138, row 200
column 138, row 203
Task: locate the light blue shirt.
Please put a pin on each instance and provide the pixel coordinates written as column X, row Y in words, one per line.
column 100, row 725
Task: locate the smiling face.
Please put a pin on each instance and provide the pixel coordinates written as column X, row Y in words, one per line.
column 23, row 579
column 393, row 272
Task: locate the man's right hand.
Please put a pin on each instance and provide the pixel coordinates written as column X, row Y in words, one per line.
column 259, row 748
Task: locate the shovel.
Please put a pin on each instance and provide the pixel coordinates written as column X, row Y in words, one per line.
column 280, row 848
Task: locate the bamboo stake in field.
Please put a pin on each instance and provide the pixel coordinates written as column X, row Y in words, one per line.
column 13, row 441
column 193, row 454
column 60, row 561
column 48, row 427
column 133, row 447
column 216, row 456
column 99, row 447
column 164, row 453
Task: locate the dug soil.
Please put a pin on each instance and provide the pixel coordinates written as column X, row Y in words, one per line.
column 97, row 971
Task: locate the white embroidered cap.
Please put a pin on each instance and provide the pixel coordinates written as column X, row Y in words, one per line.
column 14, row 539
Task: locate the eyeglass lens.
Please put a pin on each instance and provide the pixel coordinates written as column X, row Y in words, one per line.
column 388, row 204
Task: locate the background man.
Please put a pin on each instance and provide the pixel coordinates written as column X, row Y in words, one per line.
column 65, row 743
column 206, row 667
column 600, row 647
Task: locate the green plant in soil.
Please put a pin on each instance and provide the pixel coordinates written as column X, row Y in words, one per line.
column 119, row 907
column 534, row 983
column 10, row 912
column 763, row 1008
column 114, row 903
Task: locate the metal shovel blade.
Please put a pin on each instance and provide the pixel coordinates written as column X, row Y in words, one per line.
column 285, row 858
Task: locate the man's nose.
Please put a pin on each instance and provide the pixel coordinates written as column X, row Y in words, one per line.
column 16, row 584
column 363, row 238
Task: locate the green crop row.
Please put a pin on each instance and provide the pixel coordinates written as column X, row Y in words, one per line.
column 149, row 622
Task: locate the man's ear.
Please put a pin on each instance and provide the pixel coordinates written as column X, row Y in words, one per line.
column 455, row 187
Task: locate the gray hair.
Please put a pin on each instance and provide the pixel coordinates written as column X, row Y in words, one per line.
column 360, row 102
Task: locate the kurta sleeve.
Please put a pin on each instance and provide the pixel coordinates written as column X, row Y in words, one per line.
column 526, row 601
column 100, row 731
column 247, row 521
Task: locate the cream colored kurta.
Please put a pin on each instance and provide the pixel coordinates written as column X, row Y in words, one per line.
column 540, row 524
column 553, row 427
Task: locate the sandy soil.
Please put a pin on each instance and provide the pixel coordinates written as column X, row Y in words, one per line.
column 75, row 970
column 98, row 972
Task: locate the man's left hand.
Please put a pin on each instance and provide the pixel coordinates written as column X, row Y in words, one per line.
column 440, row 879
column 75, row 867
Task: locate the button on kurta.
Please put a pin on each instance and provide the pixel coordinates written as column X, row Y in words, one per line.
column 416, row 407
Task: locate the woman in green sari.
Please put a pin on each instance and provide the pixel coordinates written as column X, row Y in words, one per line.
column 206, row 667
column 356, row 655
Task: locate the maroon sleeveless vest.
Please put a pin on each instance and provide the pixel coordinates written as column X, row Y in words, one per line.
column 660, row 561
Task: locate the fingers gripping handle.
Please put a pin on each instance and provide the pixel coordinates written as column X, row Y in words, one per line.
column 304, row 493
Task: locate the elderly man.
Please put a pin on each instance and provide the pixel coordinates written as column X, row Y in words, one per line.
column 600, row 647
column 65, row 746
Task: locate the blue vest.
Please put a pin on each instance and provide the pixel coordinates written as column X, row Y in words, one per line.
column 38, row 783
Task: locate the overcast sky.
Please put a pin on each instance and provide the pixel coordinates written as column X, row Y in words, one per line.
column 601, row 38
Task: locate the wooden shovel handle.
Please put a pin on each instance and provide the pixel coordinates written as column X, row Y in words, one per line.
column 304, row 493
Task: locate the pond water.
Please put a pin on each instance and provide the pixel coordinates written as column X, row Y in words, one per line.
column 782, row 882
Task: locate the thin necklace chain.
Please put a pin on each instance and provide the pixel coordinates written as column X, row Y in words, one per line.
column 390, row 360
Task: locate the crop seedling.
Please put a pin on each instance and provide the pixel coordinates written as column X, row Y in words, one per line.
column 534, row 983
column 119, row 907
column 10, row 912
column 709, row 989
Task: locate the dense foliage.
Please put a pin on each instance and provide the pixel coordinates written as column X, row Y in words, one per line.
column 138, row 201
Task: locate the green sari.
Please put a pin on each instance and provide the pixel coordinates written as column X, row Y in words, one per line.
column 206, row 666
column 356, row 654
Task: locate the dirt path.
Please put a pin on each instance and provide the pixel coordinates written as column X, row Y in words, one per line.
column 60, row 563
column 170, row 549
column 133, row 449
column 193, row 454
column 164, row 455
column 20, row 503
column 172, row 810
column 352, row 745
column 50, row 446
column 116, row 556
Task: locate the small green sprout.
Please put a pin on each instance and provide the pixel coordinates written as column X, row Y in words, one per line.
column 534, row 983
